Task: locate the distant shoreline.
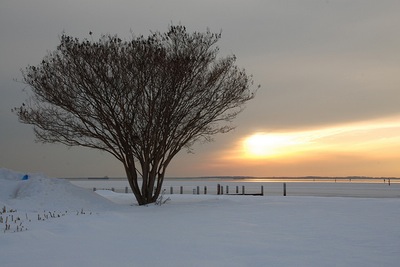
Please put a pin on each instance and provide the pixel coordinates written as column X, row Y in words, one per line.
column 355, row 179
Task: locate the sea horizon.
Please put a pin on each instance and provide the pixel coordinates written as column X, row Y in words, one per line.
column 266, row 179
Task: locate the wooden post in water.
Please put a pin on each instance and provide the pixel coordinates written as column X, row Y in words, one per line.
column 227, row 189
column 94, row 188
column 218, row 189
column 237, row 189
column 284, row 189
column 262, row 190
column 242, row 189
column 181, row 190
column 126, row 190
column 205, row 190
column 113, row 189
column 198, row 190
column 172, row 190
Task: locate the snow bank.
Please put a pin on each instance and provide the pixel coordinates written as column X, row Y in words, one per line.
column 41, row 193
column 192, row 230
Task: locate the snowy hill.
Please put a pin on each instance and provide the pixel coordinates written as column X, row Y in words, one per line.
column 41, row 193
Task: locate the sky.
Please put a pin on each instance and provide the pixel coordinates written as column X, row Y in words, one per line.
column 329, row 71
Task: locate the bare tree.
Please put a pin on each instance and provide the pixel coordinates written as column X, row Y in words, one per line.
column 141, row 100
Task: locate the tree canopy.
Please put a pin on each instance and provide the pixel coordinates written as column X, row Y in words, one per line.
column 142, row 100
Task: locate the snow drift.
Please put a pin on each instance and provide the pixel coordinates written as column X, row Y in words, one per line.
column 41, row 193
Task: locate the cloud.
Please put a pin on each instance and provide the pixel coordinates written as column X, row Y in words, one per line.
column 319, row 63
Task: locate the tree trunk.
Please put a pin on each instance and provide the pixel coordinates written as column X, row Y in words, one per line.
column 146, row 193
column 131, row 174
column 157, row 190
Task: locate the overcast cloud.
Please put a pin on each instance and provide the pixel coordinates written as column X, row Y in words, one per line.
column 319, row 63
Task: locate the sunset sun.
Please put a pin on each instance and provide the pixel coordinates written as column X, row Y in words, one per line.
column 265, row 145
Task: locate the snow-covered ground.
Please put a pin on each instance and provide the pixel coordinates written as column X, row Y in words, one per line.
column 54, row 223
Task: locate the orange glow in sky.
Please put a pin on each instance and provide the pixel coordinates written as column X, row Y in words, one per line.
column 357, row 137
column 354, row 148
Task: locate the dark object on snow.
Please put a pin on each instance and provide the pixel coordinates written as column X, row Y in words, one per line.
column 25, row 177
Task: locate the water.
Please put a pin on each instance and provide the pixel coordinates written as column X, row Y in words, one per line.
column 244, row 179
column 301, row 186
